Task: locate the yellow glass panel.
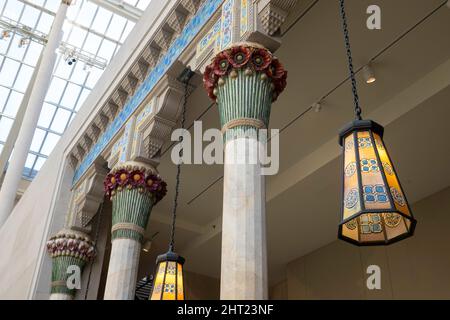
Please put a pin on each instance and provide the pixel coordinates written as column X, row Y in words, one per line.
column 158, row 284
column 375, row 192
column 351, row 201
column 394, row 186
column 180, row 284
column 394, row 225
column 170, row 281
column 350, row 229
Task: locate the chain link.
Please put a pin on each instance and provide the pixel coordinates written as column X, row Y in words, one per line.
column 177, row 184
column 350, row 61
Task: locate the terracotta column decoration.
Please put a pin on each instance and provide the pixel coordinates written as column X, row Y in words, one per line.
column 70, row 251
column 134, row 189
column 244, row 80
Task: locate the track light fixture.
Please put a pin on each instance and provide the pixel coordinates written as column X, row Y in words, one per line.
column 317, row 107
column 369, row 75
column 5, row 34
column 23, row 42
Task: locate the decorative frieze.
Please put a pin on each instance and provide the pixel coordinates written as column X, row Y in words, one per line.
column 159, row 67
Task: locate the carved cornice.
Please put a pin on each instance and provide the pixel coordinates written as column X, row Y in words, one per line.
column 148, row 59
column 87, row 197
column 273, row 13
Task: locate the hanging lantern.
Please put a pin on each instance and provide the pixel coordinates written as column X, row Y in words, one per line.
column 374, row 207
column 168, row 283
column 375, row 210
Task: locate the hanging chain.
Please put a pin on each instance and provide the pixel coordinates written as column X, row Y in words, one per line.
column 177, row 184
column 350, row 61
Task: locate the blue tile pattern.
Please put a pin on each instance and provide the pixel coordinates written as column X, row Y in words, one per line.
column 191, row 30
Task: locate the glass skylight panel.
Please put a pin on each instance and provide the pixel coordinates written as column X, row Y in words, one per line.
column 88, row 27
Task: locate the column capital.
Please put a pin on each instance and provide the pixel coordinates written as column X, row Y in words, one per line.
column 244, row 80
column 249, row 57
column 68, row 248
column 68, row 242
column 134, row 188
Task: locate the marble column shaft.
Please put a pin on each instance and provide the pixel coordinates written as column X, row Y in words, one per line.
column 244, row 80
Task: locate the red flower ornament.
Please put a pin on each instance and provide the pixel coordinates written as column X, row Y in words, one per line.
column 122, row 177
column 221, row 64
column 261, row 59
column 238, row 56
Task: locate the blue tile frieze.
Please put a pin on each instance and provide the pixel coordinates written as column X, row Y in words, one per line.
column 191, row 30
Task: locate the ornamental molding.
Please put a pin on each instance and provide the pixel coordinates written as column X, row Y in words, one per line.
column 243, row 20
column 273, row 13
column 87, row 198
column 133, row 91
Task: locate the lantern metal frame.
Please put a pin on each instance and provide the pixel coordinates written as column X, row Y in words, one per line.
column 169, row 256
column 372, row 127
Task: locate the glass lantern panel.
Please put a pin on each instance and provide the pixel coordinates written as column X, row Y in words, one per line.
column 159, row 281
column 371, row 228
column 180, row 288
column 170, row 282
column 394, row 224
column 351, row 203
column 394, row 185
column 374, row 189
column 350, row 229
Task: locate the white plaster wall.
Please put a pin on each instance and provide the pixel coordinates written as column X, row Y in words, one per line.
column 24, row 265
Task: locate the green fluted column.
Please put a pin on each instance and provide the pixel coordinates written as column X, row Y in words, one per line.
column 134, row 188
column 68, row 249
column 244, row 80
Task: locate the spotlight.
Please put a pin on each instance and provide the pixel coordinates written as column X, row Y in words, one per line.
column 369, row 75
column 317, row 107
column 5, row 34
column 147, row 246
column 23, row 42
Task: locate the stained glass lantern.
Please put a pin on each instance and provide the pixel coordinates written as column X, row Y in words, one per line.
column 168, row 283
column 374, row 207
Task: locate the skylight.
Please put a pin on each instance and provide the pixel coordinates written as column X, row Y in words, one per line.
column 93, row 32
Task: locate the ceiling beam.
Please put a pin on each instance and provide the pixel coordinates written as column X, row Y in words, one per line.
column 121, row 8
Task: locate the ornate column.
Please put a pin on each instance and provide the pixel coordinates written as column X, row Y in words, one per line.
column 70, row 250
column 134, row 188
column 244, row 80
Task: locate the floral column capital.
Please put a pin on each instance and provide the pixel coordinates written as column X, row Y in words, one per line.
column 134, row 188
column 252, row 59
column 244, row 80
column 68, row 248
